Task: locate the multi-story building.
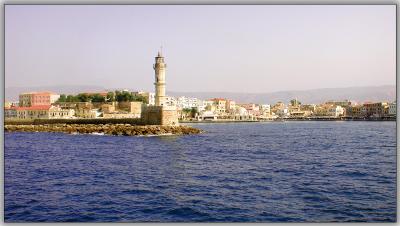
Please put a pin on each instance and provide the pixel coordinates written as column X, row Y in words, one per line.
column 329, row 110
column 282, row 112
column 277, row 107
column 169, row 101
column 252, row 109
column 43, row 112
column 265, row 109
column 392, row 108
column 344, row 103
column 87, row 112
column 375, row 109
column 220, row 105
column 355, row 111
column 10, row 112
column 37, row 99
column 335, row 111
column 308, row 107
column 207, row 104
column 230, row 105
column 188, row 102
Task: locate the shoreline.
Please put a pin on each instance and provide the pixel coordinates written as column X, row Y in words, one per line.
column 289, row 120
column 106, row 129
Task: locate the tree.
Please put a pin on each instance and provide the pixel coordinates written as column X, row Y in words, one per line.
column 83, row 97
column 194, row 111
column 295, row 102
column 123, row 96
column 62, row 98
column 139, row 98
column 110, row 97
column 97, row 98
column 70, row 98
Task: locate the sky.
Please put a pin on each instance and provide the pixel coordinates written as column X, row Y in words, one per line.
column 207, row 48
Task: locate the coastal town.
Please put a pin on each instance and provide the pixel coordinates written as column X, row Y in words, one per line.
column 129, row 104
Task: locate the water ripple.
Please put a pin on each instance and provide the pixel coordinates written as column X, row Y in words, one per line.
column 248, row 172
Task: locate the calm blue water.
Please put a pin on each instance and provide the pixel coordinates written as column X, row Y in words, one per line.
column 269, row 172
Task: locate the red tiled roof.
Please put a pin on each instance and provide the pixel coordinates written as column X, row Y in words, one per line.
column 38, row 93
column 38, row 107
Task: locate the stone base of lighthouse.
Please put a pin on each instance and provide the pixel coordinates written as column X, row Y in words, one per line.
column 159, row 115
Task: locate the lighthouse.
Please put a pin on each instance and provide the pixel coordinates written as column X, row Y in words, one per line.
column 161, row 113
column 159, row 69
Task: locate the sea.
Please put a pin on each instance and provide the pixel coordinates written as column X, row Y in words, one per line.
column 309, row 171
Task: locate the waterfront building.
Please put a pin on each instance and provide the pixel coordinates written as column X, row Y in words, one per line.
column 44, row 112
column 282, row 112
column 211, row 107
column 250, row 106
column 170, row 101
column 242, row 114
column 33, row 112
column 188, row 102
column 308, row 107
column 343, row 103
column 208, row 104
column 10, row 112
column 335, row 111
column 56, row 112
column 265, row 108
column 355, row 111
column 252, row 109
column 322, row 110
column 207, row 115
column 87, row 112
column 230, row 105
column 392, row 109
column 278, row 106
column 134, row 108
column 37, row 99
column 107, row 108
column 220, row 105
column 375, row 109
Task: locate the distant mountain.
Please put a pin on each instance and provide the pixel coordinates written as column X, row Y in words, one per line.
column 358, row 94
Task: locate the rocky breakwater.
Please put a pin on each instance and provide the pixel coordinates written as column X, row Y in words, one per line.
column 110, row 129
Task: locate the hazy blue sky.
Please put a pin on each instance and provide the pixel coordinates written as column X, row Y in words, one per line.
column 207, row 48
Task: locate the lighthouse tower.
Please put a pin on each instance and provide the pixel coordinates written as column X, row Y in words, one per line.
column 160, row 113
column 159, row 69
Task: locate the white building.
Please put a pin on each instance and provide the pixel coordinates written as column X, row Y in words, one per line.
column 284, row 112
column 188, row 102
column 265, row 109
column 392, row 108
column 207, row 115
column 335, row 111
column 169, row 101
column 54, row 98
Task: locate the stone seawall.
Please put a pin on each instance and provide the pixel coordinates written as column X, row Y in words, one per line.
column 110, row 129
